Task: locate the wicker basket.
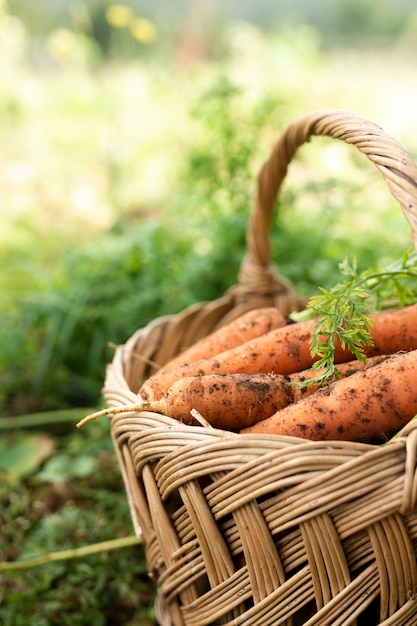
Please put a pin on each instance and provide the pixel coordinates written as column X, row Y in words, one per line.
column 266, row 530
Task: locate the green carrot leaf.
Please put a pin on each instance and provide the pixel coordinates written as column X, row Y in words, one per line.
column 343, row 311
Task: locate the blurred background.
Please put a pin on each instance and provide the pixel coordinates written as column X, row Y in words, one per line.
column 131, row 135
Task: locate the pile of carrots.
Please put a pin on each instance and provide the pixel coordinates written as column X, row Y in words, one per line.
column 244, row 377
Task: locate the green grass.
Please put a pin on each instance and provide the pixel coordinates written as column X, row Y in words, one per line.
column 127, row 191
column 71, row 500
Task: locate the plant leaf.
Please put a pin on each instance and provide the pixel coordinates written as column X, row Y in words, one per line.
column 22, row 453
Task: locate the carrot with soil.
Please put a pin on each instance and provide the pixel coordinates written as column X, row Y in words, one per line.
column 369, row 406
column 227, row 401
column 287, row 350
column 257, row 356
column 308, row 381
column 235, row 401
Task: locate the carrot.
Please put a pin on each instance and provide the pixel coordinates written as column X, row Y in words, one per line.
column 344, row 370
column 247, row 326
column 369, row 406
column 228, row 401
column 235, row 401
column 252, row 357
column 287, row 350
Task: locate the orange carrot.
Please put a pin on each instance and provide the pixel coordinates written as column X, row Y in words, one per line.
column 228, row 401
column 287, row 350
column 235, row 401
column 369, row 406
column 344, row 370
column 247, row 326
column 257, row 356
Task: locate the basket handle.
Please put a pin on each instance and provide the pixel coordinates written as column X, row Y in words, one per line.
column 387, row 154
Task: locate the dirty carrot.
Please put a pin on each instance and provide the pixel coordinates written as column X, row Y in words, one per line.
column 227, row 401
column 247, row 326
column 257, row 356
column 288, row 349
column 369, row 406
column 304, row 383
column 234, row 401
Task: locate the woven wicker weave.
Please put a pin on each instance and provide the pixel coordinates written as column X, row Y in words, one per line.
column 266, row 530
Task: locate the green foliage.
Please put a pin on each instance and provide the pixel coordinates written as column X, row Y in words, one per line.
column 102, row 291
column 219, row 167
column 22, row 454
column 343, row 311
column 217, row 182
column 76, row 500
